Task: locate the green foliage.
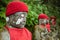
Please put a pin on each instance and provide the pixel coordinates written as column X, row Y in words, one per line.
column 2, row 20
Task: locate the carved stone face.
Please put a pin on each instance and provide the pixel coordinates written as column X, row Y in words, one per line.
column 43, row 21
column 17, row 20
column 53, row 21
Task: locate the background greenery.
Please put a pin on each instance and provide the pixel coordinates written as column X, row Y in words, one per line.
column 49, row 7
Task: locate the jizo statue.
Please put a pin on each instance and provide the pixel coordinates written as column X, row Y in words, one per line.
column 53, row 20
column 54, row 27
column 42, row 30
column 16, row 13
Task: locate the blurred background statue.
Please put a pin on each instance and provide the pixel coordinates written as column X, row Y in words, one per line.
column 43, row 28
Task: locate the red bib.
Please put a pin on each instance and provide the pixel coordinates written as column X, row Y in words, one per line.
column 19, row 34
column 48, row 27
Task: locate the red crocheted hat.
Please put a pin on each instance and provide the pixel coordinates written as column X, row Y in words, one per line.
column 52, row 17
column 42, row 16
column 14, row 7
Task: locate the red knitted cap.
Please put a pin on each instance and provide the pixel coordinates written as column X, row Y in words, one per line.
column 42, row 16
column 14, row 7
column 52, row 17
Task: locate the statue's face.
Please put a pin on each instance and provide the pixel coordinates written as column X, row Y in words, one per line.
column 52, row 20
column 17, row 20
column 43, row 21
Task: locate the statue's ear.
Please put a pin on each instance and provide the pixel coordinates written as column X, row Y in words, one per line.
column 7, row 19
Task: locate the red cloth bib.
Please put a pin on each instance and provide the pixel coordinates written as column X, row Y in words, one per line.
column 19, row 34
column 48, row 27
